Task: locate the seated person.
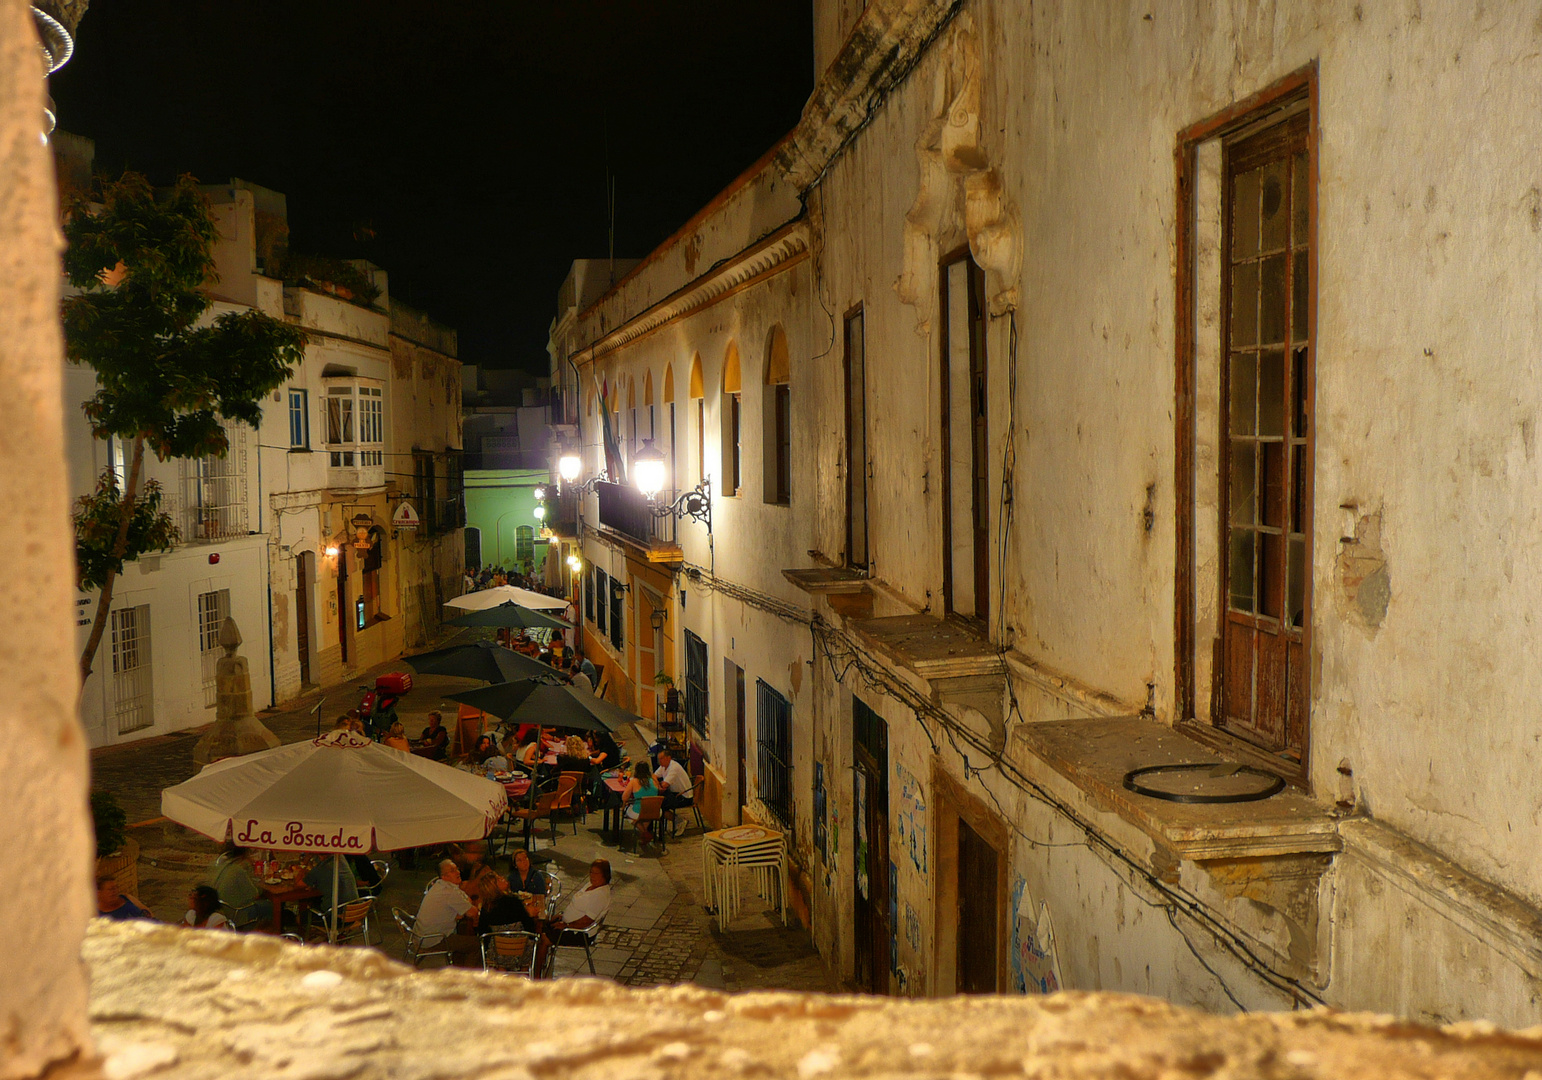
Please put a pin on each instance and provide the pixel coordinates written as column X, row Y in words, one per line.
column 484, row 749
column 203, row 909
column 604, row 754
column 396, row 738
column 639, row 787
column 447, row 916
column 673, row 781
column 501, row 909
column 589, row 905
column 526, row 878
column 530, row 752
column 434, row 740
column 574, row 756
column 112, row 904
column 364, row 873
column 232, row 877
column 319, row 877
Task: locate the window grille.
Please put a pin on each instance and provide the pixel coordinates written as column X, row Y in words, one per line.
column 214, row 494
column 696, row 684
column 213, row 609
column 131, row 686
column 774, row 775
column 602, row 599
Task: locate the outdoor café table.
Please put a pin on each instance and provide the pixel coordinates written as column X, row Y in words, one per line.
column 611, row 821
column 287, row 892
column 518, row 789
column 727, row 851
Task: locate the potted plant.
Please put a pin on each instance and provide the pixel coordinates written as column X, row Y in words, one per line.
column 116, row 853
column 671, row 695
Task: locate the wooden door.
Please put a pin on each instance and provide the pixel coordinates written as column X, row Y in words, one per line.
column 302, row 616
column 743, row 740
column 870, row 808
column 1266, row 471
column 978, row 880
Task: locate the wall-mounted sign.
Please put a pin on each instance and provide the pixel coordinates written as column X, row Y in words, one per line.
column 405, row 517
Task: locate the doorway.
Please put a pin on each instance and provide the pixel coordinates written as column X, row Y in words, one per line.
column 342, row 603
column 733, row 676
column 304, row 576
column 870, row 811
column 978, row 873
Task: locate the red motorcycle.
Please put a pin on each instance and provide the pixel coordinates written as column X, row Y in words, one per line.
column 378, row 706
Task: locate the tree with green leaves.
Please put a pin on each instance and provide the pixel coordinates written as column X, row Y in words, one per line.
column 167, row 378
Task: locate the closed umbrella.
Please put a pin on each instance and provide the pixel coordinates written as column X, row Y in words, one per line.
column 506, row 594
column 547, row 705
column 340, row 794
column 481, row 660
column 510, row 615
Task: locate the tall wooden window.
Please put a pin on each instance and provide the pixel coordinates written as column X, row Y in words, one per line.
column 1266, row 467
column 696, row 684
column 965, row 439
column 856, row 441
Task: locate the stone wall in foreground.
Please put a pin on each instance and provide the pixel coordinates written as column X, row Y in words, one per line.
column 177, row 1004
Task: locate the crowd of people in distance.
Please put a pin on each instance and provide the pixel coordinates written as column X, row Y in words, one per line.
column 470, row 899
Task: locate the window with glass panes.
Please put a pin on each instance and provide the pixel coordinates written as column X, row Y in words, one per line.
column 1267, row 381
column 299, row 420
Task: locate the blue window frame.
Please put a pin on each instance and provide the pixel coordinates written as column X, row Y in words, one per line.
column 299, row 420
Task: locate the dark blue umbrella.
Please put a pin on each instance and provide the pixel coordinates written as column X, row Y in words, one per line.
column 547, row 705
column 481, row 660
column 511, row 616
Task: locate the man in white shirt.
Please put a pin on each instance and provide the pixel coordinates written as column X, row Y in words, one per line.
column 442, row 908
column 589, row 905
column 674, row 783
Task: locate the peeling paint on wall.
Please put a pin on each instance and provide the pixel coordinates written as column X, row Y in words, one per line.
column 1034, row 960
column 1364, row 581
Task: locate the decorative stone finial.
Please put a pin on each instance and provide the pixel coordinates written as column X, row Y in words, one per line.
column 236, row 730
column 230, row 636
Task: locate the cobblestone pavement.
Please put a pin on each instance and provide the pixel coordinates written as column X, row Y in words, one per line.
column 658, row 931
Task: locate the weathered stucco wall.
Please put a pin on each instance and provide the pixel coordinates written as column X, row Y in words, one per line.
column 177, row 1003
column 45, row 835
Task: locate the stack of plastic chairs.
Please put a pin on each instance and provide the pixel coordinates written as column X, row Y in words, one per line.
column 726, row 852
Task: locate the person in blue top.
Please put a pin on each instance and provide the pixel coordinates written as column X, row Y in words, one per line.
column 112, row 904
column 640, row 786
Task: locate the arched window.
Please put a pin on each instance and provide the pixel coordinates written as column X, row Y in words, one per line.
column 731, row 411
column 524, row 545
column 700, row 398
column 776, row 421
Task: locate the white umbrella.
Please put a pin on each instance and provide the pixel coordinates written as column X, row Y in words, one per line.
column 340, row 794
column 503, row 594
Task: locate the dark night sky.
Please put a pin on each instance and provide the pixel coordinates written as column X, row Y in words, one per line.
column 472, row 138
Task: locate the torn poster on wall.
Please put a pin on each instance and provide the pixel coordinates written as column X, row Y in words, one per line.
column 859, row 814
column 819, row 809
column 911, row 820
column 1034, row 959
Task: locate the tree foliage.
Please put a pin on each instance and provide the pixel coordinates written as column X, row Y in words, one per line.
column 98, row 517
column 168, row 378
column 140, row 263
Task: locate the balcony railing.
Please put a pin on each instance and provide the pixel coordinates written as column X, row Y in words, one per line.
column 627, row 511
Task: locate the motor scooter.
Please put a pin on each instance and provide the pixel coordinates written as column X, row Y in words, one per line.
column 378, row 706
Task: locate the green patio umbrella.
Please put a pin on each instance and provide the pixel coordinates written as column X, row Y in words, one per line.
column 510, row 615
column 481, row 660
column 559, row 706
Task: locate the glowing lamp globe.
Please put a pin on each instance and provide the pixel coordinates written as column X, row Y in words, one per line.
column 574, row 562
column 568, row 465
column 540, row 493
column 540, row 513
column 648, row 467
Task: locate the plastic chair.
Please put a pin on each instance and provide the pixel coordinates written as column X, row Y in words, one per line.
column 573, row 939
column 567, row 788
column 650, row 811
column 530, row 814
column 416, row 951
column 510, row 951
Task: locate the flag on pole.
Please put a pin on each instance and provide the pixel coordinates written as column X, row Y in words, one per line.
column 615, row 467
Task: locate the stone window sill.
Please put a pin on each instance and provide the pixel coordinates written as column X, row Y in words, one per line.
column 1085, row 762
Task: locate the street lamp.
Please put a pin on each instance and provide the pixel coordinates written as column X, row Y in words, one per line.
column 540, row 512
column 648, row 467
column 540, row 493
column 568, row 465
column 575, row 564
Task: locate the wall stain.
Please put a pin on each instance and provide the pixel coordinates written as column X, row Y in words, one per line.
column 1364, row 580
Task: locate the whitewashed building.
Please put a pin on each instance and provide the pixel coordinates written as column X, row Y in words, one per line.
column 1161, row 386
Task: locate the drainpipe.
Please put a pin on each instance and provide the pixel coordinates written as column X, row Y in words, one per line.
column 268, row 570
